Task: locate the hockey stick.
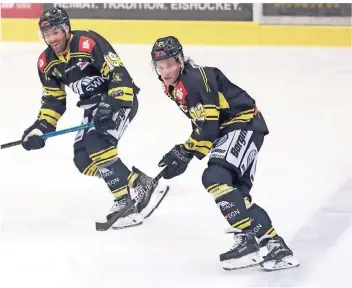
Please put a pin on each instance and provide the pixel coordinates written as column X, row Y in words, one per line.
column 107, row 225
column 51, row 134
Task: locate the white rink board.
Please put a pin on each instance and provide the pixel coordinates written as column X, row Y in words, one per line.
column 48, row 210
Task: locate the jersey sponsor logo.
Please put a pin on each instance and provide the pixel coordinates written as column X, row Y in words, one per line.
column 113, row 181
column 249, row 157
column 180, row 93
column 82, row 65
column 106, row 172
column 86, row 84
column 241, row 141
column 70, row 68
column 239, row 144
column 42, row 62
column 217, row 150
column 224, row 205
column 233, row 214
column 257, row 228
column 86, row 44
column 218, row 142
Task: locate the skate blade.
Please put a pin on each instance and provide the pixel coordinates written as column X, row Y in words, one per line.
column 285, row 263
column 155, row 200
column 127, row 226
column 128, row 221
column 250, row 260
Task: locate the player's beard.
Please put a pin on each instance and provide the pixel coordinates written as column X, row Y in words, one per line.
column 60, row 47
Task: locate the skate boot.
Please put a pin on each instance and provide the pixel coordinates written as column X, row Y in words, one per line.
column 244, row 253
column 147, row 202
column 129, row 217
column 279, row 255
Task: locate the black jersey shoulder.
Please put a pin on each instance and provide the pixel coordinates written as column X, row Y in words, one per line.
column 84, row 41
column 196, row 77
column 46, row 59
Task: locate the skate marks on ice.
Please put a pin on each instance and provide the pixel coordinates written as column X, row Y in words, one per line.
column 313, row 240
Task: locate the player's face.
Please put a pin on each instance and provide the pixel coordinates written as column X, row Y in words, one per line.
column 169, row 70
column 56, row 38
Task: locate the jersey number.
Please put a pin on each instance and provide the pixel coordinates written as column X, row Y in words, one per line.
column 112, row 60
column 197, row 112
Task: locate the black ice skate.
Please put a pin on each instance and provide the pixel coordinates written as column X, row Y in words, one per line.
column 244, row 253
column 125, row 206
column 149, row 201
column 279, row 255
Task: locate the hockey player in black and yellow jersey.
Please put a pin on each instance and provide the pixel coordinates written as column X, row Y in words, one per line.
column 87, row 63
column 228, row 126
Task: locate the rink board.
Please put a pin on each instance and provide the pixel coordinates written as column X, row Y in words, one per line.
column 193, row 32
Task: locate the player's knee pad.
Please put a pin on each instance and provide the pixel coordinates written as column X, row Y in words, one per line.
column 84, row 164
column 216, row 174
column 94, row 141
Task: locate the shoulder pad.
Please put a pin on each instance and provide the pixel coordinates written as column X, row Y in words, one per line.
column 42, row 62
column 86, row 44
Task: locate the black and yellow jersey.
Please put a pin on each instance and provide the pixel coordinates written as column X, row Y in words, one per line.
column 215, row 105
column 90, row 67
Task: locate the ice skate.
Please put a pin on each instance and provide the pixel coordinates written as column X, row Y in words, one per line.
column 130, row 216
column 279, row 255
column 147, row 203
column 244, row 253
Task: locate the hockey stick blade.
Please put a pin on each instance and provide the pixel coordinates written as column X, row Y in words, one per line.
column 104, row 226
column 162, row 198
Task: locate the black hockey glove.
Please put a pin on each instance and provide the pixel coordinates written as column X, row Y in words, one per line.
column 31, row 137
column 176, row 161
column 103, row 118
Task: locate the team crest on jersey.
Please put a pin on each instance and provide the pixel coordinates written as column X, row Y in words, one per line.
column 57, row 73
column 180, row 93
column 42, row 62
column 86, row 44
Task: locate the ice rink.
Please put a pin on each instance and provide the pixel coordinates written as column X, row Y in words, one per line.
column 304, row 179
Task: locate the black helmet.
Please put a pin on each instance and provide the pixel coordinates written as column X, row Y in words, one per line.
column 166, row 47
column 54, row 17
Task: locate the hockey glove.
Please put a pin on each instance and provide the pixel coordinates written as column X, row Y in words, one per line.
column 176, row 161
column 103, row 118
column 31, row 137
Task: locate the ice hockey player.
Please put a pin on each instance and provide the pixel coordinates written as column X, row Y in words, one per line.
column 86, row 62
column 226, row 123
